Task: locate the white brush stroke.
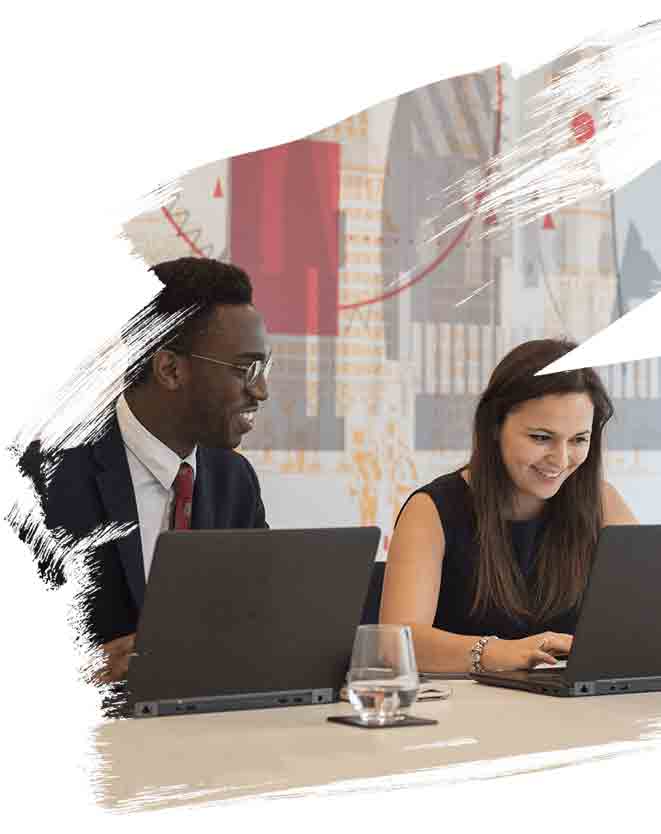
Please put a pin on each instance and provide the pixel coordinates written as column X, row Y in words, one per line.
column 100, row 106
column 479, row 770
column 547, row 169
column 636, row 335
column 78, row 411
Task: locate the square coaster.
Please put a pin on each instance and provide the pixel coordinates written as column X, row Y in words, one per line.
column 401, row 721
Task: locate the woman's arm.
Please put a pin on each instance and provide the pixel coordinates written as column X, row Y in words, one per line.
column 411, row 586
column 614, row 507
column 410, row 596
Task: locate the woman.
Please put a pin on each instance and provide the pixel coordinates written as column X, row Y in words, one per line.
column 503, row 547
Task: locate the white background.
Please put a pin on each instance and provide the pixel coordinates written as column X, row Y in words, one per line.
column 100, row 104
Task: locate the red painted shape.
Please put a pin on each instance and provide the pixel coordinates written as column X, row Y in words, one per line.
column 583, row 127
column 548, row 222
column 284, row 233
column 312, row 298
column 218, row 190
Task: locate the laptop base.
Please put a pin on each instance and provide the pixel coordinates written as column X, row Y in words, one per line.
column 227, row 703
column 548, row 685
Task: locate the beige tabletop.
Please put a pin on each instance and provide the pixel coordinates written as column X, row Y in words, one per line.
column 183, row 760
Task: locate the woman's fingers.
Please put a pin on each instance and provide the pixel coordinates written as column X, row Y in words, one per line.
column 553, row 642
column 525, row 652
column 545, row 646
column 542, row 657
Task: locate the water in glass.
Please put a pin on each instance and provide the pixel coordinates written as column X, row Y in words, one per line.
column 383, row 678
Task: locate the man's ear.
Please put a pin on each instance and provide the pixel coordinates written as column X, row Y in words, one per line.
column 170, row 369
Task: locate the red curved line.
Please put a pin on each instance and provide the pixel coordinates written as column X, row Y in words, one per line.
column 180, row 232
column 439, row 260
column 444, row 254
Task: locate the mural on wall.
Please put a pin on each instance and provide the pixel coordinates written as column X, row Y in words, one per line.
column 383, row 339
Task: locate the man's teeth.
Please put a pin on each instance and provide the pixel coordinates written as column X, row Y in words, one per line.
column 249, row 416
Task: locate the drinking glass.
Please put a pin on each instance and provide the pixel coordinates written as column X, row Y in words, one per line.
column 383, row 677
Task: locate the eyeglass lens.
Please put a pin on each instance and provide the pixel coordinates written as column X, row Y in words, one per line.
column 256, row 369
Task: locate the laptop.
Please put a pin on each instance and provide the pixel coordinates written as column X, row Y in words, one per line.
column 617, row 642
column 248, row 619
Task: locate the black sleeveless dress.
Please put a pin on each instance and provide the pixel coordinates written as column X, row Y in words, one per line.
column 454, row 503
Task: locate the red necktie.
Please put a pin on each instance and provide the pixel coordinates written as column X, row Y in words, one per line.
column 183, row 497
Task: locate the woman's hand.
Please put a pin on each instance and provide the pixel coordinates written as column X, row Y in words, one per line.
column 506, row 655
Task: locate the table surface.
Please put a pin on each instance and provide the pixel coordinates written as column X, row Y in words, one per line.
column 182, row 760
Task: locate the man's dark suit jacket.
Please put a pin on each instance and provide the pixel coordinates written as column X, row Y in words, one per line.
column 92, row 486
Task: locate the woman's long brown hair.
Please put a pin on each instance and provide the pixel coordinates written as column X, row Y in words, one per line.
column 573, row 516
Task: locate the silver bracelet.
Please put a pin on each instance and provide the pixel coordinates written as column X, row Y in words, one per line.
column 476, row 654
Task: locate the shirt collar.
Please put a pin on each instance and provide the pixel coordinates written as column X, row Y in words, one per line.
column 158, row 458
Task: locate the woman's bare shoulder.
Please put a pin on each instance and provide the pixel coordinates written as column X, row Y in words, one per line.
column 419, row 527
column 614, row 508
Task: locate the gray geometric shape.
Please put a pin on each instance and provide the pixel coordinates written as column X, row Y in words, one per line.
column 640, row 277
column 636, row 425
column 444, row 421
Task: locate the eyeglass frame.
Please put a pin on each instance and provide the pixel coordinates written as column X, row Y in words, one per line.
column 266, row 365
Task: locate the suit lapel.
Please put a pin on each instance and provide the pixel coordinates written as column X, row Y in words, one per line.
column 118, row 497
column 203, row 510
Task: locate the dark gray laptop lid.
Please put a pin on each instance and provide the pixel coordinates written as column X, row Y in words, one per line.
column 619, row 628
column 235, row 611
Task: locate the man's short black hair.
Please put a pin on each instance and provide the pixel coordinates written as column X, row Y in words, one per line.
column 193, row 287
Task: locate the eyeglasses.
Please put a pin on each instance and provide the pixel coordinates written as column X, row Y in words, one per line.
column 251, row 372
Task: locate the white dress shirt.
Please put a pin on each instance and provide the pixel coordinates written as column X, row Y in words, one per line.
column 154, row 467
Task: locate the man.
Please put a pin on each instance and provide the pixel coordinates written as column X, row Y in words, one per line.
column 169, row 443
